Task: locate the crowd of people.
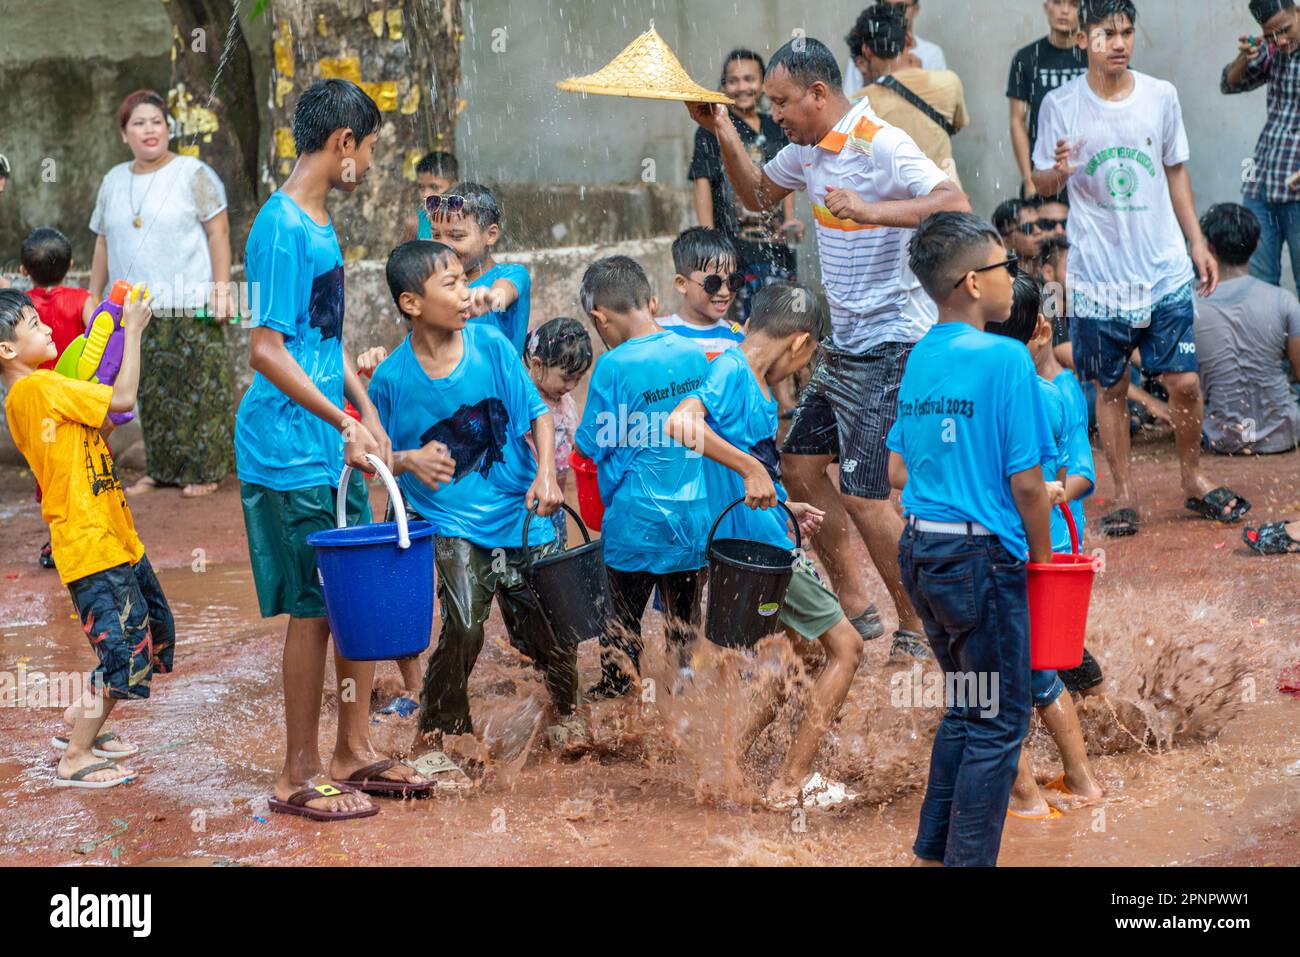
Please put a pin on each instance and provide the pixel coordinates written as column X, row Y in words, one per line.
column 960, row 361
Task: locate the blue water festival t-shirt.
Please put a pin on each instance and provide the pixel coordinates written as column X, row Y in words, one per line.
column 1078, row 454
column 742, row 416
column 295, row 271
column 656, row 508
column 970, row 415
column 481, row 411
column 513, row 321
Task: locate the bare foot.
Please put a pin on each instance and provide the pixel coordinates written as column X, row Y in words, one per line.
column 1028, row 802
column 348, row 801
column 197, row 491
column 146, row 484
column 1082, row 784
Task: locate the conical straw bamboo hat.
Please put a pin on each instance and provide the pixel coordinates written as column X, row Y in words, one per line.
column 646, row 69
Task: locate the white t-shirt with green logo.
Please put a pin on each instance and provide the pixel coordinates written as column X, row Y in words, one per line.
column 1127, row 250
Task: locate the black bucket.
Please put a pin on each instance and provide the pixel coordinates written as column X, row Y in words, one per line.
column 747, row 585
column 570, row 587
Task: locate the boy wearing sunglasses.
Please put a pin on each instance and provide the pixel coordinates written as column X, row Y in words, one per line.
column 468, row 219
column 707, row 282
column 967, row 451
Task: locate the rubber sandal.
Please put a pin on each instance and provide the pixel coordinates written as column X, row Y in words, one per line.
column 817, row 792
column 60, row 742
column 77, row 780
column 297, row 804
column 367, row 780
column 1120, row 523
column 1272, row 539
column 1212, row 504
column 868, row 624
column 908, row 644
column 436, row 763
column 1060, row 786
column 1051, row 815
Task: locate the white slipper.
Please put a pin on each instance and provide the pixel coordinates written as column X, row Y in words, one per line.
column 817, row 792
column 60, row 743
column 78, row 779
column 1292, row 769
column 435, row 763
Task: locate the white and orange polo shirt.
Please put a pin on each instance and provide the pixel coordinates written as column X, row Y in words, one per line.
column 874, row 297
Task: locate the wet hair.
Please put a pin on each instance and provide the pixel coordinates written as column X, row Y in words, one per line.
column 562, row 343
column 411, row 264
column 479, row 203
column 1093, row 12
column 139, row 98
column 440, row 164
column 46, row 255
column 882, row 29
column 330, row 105
column 784, row 309
column 615, row 283
column 12, row 306
column 1006, row 215
column 5, row 170
column 1265, row 10
column 700, row 247
column 1052, row 250
column 1026, row 305
column 741, row 55
column 946, row 246
column 808, row 61
column 1232, row 231
column 1062, row 198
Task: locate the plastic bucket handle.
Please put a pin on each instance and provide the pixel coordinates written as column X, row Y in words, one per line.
column 798, row 536
column 1074, row 529
column 532, row 510
column 394, row 496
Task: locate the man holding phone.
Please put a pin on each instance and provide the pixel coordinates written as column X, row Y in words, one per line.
column 1272, row 184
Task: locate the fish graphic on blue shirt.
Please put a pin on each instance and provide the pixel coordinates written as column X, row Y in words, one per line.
column 767, row 453
column 326, row 304
column 475, row 436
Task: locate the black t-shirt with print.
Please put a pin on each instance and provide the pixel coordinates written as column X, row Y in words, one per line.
column 729, row 216
column 1037, row 70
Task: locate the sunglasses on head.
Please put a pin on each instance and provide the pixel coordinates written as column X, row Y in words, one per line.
column 447, row 205
column 712, row 283
column 1011, row 264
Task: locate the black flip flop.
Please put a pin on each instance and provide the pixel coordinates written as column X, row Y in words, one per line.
column 1270, row 539
column 1212, row 504
column 1120, row 523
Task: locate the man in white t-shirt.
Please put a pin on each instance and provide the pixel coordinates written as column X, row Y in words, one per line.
column 1115, row 137
column 930, row 54
column 870, row 187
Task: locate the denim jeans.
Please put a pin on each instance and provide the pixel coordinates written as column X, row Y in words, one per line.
column 1280, row 224
column 971, row 593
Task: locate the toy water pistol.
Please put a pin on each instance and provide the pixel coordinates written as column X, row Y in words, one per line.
column 97, row 355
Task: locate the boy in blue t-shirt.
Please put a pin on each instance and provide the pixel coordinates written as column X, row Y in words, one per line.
column 292, row 439
column 458, row 404
column 656, row 511
column 1069, row 476
column 435, row 173
column 732, row 420
column 707, row 281
column 967, row 450
column 468, row 219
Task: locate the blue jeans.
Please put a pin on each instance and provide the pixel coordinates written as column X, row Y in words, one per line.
column 1279, row 224
column 971, row 593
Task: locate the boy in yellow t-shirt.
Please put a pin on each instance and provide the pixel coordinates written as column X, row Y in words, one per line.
column 55, row 422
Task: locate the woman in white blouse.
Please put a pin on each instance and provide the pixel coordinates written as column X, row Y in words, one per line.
column 161, row 220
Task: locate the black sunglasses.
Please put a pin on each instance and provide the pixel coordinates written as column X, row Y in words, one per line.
column 1011, row 264
column 450, row 205
column 712, row 283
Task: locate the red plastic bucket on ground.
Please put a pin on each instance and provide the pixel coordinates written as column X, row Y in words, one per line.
column 1059, row 595
column 589, row 503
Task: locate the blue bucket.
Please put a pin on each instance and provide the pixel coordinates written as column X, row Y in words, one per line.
column 377, row 580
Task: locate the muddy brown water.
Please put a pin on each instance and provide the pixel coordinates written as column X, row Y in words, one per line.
column 1190, row 741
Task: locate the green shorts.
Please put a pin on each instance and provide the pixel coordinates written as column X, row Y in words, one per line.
column 278, row 523
column 810, row 607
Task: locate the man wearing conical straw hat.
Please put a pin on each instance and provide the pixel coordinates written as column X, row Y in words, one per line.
column 870, row 186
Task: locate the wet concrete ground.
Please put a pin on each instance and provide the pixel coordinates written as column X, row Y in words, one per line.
column 1193, row 630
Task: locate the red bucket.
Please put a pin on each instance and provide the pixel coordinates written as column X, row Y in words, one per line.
column 1059, row 595
column 589, row 503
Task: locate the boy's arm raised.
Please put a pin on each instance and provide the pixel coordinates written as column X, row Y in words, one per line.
column 1030, row 494
column 135, row 316
column 268, row 356
column 687, row 426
